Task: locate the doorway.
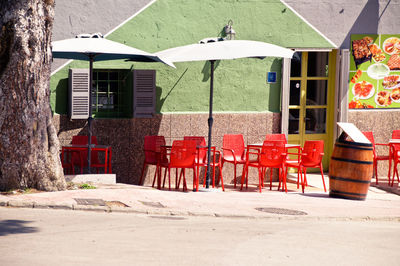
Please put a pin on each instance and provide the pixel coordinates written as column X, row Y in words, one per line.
column 311, row 99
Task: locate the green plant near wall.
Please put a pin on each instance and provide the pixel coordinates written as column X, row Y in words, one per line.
column 87, row 186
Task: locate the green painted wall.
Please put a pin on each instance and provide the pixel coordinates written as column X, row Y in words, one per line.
column 240, row 85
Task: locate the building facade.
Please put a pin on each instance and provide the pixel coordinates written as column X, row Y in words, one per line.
column 310, row 93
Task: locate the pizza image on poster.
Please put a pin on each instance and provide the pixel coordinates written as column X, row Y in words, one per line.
column 374, row 75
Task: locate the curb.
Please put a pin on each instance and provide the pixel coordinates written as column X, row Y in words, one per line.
column 176, row 213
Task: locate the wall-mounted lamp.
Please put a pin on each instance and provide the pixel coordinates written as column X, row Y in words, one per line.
column 229, row 31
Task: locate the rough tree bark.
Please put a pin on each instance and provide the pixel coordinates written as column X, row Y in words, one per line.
column 29, row 147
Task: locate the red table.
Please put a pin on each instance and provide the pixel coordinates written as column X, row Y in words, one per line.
column 258, row 146
column 80, row 149
column 394, row 145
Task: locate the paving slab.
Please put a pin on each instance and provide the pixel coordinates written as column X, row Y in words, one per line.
column 315, row 203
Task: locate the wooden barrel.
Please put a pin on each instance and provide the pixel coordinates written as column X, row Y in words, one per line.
column 350, row 170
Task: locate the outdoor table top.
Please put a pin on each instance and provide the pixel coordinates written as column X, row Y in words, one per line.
column 80, row 146
column 197, row 147
column 287, row 145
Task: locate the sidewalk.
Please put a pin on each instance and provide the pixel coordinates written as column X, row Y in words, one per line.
column 313, row 204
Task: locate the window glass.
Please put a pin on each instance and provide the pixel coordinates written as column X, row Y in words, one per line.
column 295, row 65
column 317, row 92
column 102, row 75
column 295, row 86
column 317, row 65
column 112, row 97
column 294, row 116
column 315, row 120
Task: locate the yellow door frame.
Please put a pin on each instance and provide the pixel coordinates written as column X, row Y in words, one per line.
column 328, row 136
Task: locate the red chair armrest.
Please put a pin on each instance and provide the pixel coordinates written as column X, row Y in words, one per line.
column 382, row 144
column 233, row 153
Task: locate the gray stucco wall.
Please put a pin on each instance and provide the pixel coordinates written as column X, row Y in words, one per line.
column 90, row 16
column 338, row 19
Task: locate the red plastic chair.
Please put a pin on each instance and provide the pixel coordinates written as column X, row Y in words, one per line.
column 395, row 155
column 272, row 155
column 152, row 152
column 183, row 155
column 311, row 156
column 201, row 153
column 233, row 152
column 377, row 158
column 81, row 160
column 276, row 137
column 216, row 161
column 67, row 162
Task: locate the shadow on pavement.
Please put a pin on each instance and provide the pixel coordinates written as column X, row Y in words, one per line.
column 8, row 227
column 315, row 195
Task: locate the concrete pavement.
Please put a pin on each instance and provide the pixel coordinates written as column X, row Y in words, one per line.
column 313, row 204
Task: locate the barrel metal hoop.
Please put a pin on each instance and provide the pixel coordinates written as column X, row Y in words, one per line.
column 339, row 194
column 349, row 179
column 354, row 147
column 354, row 143
column 351, row 161
column 348, row 193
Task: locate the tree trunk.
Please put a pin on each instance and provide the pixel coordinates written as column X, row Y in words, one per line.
column 29, row 147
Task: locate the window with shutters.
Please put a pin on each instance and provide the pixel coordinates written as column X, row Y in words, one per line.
column 144, row 93
column 112, row 93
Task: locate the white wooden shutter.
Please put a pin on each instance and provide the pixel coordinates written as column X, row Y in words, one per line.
column 144, row 93
column 78, row 106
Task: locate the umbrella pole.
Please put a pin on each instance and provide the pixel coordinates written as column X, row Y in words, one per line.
column 89, row 158
column 210, row 123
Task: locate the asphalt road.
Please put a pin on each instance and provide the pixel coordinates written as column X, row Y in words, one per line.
column 62, row 237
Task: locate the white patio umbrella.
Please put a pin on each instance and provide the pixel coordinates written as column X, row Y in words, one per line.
column 221, row 50
column 99, row 49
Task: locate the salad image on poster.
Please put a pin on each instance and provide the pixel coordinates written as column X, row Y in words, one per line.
column 374, row 76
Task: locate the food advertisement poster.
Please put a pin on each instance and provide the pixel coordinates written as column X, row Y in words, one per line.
column 374, row 79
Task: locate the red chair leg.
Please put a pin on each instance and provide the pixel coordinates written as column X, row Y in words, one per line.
column 304, row 179
column 284, row 179
column 395, row 172
column 195, row 181
column 141, row 176
column 221, row 178
column 259, row 179
column 234, row 177
column 390, row 167
column 184, row 180
column 155, row 176
column 322, row 174
column 244, row 172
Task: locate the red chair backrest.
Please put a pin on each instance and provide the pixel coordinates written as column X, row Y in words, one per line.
column 152, row 148
column 183, row 153
column 370, row 137
column 200, row 141
column 272, row 153
column 396, row 134
column 311, row 153
column 276, row 137
column 235, row 143
column 83, row 140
